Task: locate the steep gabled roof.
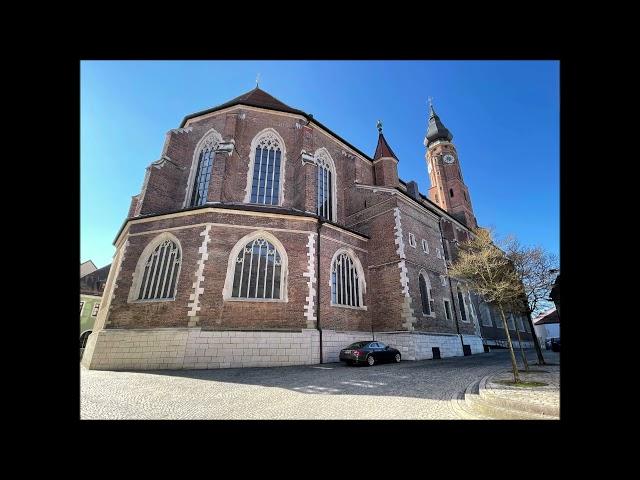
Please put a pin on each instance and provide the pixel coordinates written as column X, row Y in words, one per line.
column 550, row 316
column 87, row 267
column 383, row 149
column 254, row 98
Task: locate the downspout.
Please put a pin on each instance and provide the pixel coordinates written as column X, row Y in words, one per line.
column 318, row 282
column 453, row 302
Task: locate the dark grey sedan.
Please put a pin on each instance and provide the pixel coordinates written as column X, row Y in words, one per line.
column 369, row 353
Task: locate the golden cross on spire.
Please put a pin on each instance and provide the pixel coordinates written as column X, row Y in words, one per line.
column 430, row 100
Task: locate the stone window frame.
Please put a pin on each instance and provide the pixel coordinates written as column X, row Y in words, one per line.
column 138, row 273
column 487, row 311
column 227, row 289
column 252, row 157
column 425, row 244
column 362, row 283
column 511, row 321
column 446, row 301
column 430, row 299
column 412, row 240
column 211, row 135
column 463, row 318
column 323, row 155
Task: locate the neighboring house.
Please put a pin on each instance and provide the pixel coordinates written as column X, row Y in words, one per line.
column 86, row 268
column 261, row 228
column 547, row 325
column 91, row 289
column 555, row 294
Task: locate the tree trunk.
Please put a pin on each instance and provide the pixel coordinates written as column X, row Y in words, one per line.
column 536, row 343
column 524, row 357
column 516, row 377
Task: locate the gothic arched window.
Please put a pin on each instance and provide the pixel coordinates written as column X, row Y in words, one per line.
column 206, row 155
column 267, row 153
column 160, row 276
column 258, row 272
column 451, row 192
column 346, row 286
column 326, row 185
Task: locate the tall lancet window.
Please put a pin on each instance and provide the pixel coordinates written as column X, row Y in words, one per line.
column 258, row 271
column 160, row 276
column 265, row 186
column 203, row 172
column 325, row 181
column 345, row 282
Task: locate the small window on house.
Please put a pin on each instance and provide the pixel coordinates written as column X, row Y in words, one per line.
column 443, row 281
column 81, row 307
column 96, row 307
column 425, row 246
column 451, row 192
column 447, row 309
column 412, row 240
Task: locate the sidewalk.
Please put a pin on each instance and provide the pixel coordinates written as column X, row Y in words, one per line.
column 490, row 399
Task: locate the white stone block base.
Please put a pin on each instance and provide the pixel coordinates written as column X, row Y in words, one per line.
column 418, row 346
column 192, row 348
column 333, row 342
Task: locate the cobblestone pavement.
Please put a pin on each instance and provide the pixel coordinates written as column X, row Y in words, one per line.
column 409, row 390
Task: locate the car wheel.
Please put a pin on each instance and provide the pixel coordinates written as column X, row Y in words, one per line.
column 371, row 361
column 398, row 358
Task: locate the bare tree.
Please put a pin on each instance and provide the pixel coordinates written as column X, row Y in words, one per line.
column 536, row 270
column 491, row 275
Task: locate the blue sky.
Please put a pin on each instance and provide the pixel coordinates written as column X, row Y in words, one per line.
column 504, row 116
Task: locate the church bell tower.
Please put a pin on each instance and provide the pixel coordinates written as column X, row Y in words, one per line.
column 448, row 190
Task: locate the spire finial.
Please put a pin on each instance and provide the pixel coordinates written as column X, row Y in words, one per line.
column 431, row 105
column 379, row 126
column 258, row 81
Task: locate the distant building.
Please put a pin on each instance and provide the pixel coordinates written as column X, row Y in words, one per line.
column 547, row 325
column 86, row 268
column 91, row 288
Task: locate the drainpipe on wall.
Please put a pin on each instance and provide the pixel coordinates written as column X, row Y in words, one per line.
column 318, row 282
column 453, row 302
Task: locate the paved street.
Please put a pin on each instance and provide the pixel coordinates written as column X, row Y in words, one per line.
column 409, row 390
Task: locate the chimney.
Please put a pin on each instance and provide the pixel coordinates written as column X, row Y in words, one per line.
column 412, row 190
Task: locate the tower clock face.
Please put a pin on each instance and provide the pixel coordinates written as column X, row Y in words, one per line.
column 448, row 158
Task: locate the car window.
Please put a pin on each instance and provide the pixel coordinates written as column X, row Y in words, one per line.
column 358, row 345
column 373, row 345
column 382, row 345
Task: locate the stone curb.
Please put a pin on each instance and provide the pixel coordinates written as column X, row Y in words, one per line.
column 537, row 409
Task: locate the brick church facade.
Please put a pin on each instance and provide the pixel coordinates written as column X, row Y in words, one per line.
column 260, row 238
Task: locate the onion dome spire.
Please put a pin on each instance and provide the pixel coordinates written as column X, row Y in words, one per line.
column 436, row 129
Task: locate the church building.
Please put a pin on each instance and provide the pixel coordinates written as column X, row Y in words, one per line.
column 262, row 238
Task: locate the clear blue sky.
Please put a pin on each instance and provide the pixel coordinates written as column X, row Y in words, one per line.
column 504, row 116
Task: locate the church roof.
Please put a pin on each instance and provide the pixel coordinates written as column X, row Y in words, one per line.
column 383, row 149
column 436, row 130
column 254, row 98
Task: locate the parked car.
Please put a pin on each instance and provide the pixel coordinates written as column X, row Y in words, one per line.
column 369, row 353
column 555, row 344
